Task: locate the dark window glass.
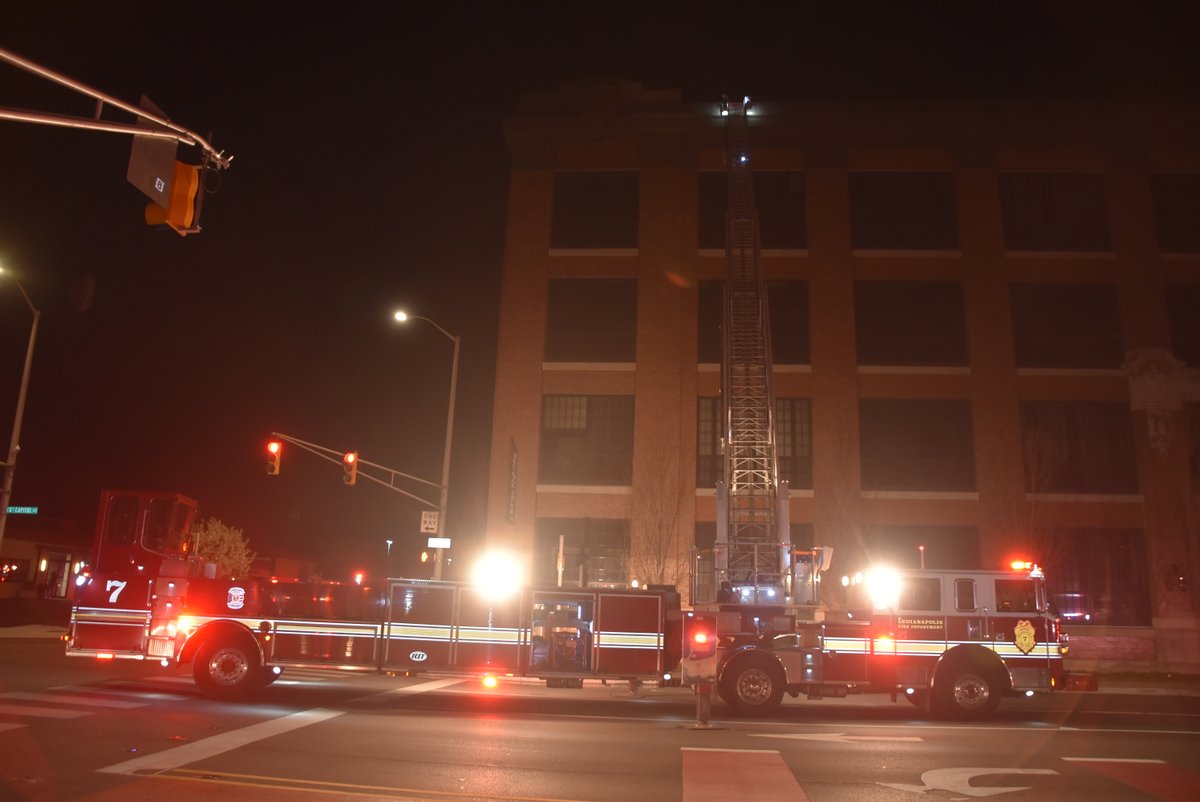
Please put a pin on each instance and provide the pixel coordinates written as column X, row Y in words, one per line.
column 1054, row 212
column 793, row 441
column 1016, row 596
column 787, row 303
column 709, row 466
column 950, row 548
column 778, row 200
column 711, row 305
column 595, row 210
column 1177, row 211
column 897, row 211
column 1097, row 576
column 1183, row 315
column 1078, row 447
column 909, row 323
column 591, row 320
column 1066, row 326
column 913, row 445
column 586, row 440
column 120, row 525
column 594, row 550
column 964, row 595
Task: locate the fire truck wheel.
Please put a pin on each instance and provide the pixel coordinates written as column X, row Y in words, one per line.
column 225, row 669
column 966, row 692
column 752, row 687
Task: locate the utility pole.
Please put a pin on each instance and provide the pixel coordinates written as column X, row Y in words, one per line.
column 14, row 445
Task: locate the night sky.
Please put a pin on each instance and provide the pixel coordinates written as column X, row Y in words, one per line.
column 369, row 174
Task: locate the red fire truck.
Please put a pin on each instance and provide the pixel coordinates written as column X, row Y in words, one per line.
column 140, row 601
column 951, row 642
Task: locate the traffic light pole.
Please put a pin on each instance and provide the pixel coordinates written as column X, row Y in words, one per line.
column 167, row 129
column 14, row 445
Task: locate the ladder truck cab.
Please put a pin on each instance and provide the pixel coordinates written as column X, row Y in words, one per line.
column 951, row 642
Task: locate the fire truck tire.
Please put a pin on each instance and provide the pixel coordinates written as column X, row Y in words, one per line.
column 226, row 669
column 966, row 691
column 752, row 687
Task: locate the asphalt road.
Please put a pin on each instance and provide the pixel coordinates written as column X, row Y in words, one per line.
column 73, row 729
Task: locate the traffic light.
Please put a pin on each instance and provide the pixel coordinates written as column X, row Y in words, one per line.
column 180, row 213
column 274, row 450
column 350, row 467
column 700, row 632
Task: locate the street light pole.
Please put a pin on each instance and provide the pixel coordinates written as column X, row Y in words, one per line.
column 14, row 445
column 445, row 487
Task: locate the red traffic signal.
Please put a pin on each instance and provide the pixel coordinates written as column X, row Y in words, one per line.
column 274, row 450
column 350, row 467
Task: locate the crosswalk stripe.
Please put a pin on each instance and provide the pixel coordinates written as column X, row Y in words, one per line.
column 71, row 700
column 41, row 712
column 748, row 775
column 101, row 689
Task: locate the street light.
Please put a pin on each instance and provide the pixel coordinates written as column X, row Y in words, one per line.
column 14, row 444
column 403, row 317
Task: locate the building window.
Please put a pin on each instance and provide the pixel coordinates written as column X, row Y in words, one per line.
column 916, row 445
column 595, row 210
column 710, row 468
column 586, row 440
column 903, row 211
column 1097, row 576
column 901, row 323
column 591, row 320
column 948, row 548
column 1054, row 212
column 1183, row 316
column 594, row 551
column 787, row 304
column 778, row 201
column 1078, row 447
column 793, row 441
column 1066, row 326
column 1176, row 211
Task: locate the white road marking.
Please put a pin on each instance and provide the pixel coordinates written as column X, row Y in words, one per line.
column 5, row 725
column 105, row 691
column 41, row 712
column 408, row 690
column 958, row 781
column 1113, row 760
column 71, row 700
column 835, row 737
column 218, row 744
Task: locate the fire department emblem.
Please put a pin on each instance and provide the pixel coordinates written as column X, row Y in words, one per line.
column 1024, row 636
column 236, row 598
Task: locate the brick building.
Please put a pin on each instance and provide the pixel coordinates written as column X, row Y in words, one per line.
column 985, row 330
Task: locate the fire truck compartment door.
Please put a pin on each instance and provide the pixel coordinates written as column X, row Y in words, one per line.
column 628, row 640
column 419, row 629
column 111, row 614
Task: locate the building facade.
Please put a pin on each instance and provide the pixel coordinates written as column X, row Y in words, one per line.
column 985, row 328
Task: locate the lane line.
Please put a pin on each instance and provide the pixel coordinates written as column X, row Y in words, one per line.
column 5, row 726
column 408, row 690
column 218, row 744
column 72, row 700
column 747, row 775
column 42, row 712
column 1114, row 760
